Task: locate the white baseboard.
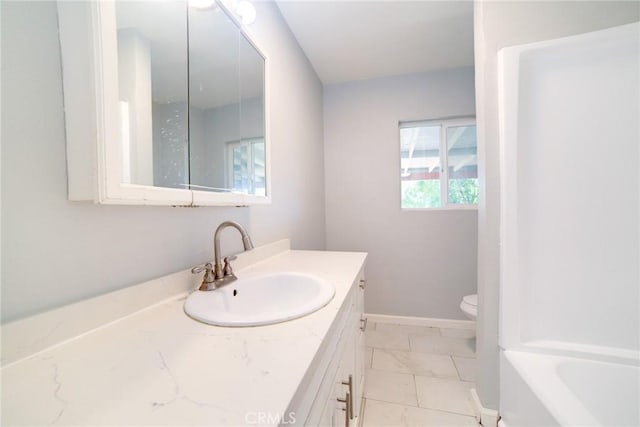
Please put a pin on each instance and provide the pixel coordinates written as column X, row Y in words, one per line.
column 486, row 417
column 421, row 321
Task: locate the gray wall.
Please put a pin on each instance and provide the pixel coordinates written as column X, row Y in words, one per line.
column 55, row 252
column 296, row 122
column 421, row 263
column 497, row 25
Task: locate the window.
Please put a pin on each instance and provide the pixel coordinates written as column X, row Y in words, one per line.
column 439, row 164
column 246, row 166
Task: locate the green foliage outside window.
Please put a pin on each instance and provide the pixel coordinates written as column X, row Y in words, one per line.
column 426, row 193
column 463, row 191
column 421, row 194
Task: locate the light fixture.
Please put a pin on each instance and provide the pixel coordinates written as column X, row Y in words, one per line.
column 246, row 11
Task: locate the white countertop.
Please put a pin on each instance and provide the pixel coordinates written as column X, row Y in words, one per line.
column 159, row 367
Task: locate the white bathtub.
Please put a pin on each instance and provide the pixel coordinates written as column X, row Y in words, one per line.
column 566, row 391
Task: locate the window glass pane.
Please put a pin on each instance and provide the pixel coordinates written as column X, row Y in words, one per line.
column 420, row 166
column 259, row 172
column 240, row 166
column 462, row 162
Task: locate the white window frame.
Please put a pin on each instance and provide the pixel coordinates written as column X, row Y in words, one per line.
column 444, row 124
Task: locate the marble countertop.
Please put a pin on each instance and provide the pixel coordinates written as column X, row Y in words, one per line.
column 157, row 366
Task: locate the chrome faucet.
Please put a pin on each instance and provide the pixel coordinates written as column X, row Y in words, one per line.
column 221, row 274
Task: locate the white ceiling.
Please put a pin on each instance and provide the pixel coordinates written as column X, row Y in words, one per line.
column 355, row 40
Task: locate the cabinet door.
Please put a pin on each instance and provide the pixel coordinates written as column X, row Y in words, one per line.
column 120, row 104
column 345, row 413
column 327, row 417
column 360, row 343
column 343, row 402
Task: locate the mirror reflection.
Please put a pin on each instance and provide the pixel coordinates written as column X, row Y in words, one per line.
column 152, row 75
column 191, row 99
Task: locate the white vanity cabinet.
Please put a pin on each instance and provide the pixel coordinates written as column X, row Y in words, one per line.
column 338, row 399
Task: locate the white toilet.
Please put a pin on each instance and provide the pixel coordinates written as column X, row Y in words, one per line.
column 469, row 306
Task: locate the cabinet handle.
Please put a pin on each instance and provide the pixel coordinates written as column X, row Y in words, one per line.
column 364, row 324
column 347, row 410
column 350, row 394
column 362, row 283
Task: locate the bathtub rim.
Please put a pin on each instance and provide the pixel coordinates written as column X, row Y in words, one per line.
column 538, row 371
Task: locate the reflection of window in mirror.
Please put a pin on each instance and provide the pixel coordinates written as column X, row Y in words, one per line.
column 246, row 172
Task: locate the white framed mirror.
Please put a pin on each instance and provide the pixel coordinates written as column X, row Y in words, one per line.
column 165, row 102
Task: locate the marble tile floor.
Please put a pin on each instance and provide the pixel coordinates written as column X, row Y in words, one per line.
column 418, row 376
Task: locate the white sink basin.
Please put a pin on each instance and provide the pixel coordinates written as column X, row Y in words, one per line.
column 260, row 300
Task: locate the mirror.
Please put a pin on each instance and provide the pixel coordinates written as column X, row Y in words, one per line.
column 191, row 99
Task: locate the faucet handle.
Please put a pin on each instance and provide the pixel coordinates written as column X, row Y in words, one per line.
column 227, row 270
column 208, row 278
column 201, row 268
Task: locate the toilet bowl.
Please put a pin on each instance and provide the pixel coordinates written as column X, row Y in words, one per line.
column 469, row 306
